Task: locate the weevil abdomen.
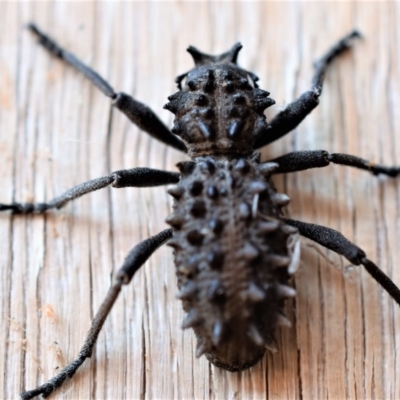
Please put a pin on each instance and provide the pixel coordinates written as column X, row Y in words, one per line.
column 233, row 257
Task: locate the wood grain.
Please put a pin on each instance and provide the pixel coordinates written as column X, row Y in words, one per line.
column 56, row 131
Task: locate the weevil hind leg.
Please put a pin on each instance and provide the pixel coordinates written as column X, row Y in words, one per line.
column 86, row 351
column 135, row 259
column 335, row 241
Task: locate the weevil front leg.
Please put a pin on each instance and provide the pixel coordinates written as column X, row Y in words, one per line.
column 135, row 177
column 140, row 114
column 302, row 160
column 334, row 240
column 286, row 120
column 135, row 259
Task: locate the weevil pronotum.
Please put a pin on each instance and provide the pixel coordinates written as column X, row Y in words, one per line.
column 234, row 250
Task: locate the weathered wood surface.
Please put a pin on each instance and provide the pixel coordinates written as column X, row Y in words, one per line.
column 56, row 130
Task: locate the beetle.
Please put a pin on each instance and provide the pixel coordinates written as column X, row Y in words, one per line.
column 234, row 249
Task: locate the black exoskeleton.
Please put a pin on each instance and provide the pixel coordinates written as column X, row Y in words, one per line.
column 234, row 250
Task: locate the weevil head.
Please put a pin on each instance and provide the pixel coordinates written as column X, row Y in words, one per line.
column 219, row 108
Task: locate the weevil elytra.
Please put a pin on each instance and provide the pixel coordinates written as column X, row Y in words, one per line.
column 234, row 250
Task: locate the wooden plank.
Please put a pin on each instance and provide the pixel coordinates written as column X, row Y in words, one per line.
column 56, row 131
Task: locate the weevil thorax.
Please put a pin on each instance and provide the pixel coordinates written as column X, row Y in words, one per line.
column 233, row 255
column 220, row 109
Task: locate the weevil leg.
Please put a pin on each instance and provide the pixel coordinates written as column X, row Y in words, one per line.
column 135, row 177
column 302, row 160
column 135, row 259
column 335, row 241
column 286, row 120
column 140, row 114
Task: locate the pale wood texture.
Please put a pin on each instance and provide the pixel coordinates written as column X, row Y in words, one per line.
column 56, row 131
